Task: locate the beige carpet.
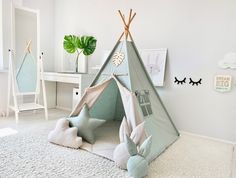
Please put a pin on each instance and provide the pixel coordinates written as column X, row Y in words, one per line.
column 28, row 154
column 194, row 157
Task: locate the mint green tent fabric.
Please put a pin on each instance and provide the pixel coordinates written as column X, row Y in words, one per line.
column 132, row 74
column 109, row 104
column 26, row 76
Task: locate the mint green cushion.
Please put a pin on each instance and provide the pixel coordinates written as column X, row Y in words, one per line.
column 137, row 166
column 85, row 124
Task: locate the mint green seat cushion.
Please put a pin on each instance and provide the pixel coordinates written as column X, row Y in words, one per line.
column 85, row 124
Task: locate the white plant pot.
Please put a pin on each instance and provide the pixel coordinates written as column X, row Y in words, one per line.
column 69, row 63
column 83, row 64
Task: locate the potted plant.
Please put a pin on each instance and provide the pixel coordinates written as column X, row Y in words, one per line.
column 83, row 44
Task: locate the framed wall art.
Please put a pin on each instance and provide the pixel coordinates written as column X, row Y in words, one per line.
column 155, row 63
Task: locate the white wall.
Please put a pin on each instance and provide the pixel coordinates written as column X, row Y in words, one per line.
column 197, row 34
column 3, row 91
column 1, row 54
column 6, row 30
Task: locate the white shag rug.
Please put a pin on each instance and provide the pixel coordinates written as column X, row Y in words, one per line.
column 30, row 155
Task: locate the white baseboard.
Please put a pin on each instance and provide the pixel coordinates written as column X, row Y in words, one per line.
column 210, row 138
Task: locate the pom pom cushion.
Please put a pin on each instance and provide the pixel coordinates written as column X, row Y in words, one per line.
column 85, row 124
column 137, row 165
column 121, row 155
column 64, row 135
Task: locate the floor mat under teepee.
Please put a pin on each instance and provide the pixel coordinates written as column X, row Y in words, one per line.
column 107, row 138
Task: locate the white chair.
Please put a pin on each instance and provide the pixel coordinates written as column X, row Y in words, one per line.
column 26, row 80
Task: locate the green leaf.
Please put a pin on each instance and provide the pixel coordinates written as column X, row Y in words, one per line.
column 79, row 43
column 70, row 43
column 87, row 44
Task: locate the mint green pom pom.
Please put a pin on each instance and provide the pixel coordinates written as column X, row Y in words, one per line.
column 137, row 166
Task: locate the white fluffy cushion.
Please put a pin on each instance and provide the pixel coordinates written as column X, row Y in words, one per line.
column 121, row 155
column 64, row 135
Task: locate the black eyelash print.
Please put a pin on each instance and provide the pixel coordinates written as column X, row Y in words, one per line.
column 181, row 82
column 195, row 83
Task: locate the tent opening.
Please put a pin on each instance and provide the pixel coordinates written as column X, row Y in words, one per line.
column 108, row 106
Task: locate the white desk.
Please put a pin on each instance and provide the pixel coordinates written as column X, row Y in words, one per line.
column 59, row 87
column 75, row 78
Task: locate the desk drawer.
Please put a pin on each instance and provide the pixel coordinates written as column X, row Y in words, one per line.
column 75, row 80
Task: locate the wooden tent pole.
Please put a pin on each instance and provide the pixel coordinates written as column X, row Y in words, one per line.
column 122, row 17
column 130, row 14
column 132, row 18
column 127, row 25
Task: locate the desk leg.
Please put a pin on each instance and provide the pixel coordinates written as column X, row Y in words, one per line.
column 56, row 95
column 51, row 94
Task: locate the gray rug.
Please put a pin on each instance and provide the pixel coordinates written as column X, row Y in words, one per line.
column 28, row 154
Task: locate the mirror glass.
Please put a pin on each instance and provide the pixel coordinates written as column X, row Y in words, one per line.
column 25, row 43
column 25, row 31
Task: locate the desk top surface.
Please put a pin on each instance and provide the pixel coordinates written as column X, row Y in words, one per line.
column 66, row 73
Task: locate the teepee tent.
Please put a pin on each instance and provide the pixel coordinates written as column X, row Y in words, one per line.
column 123, row 89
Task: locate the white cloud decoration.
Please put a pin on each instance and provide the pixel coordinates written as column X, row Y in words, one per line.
column 229, row 61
